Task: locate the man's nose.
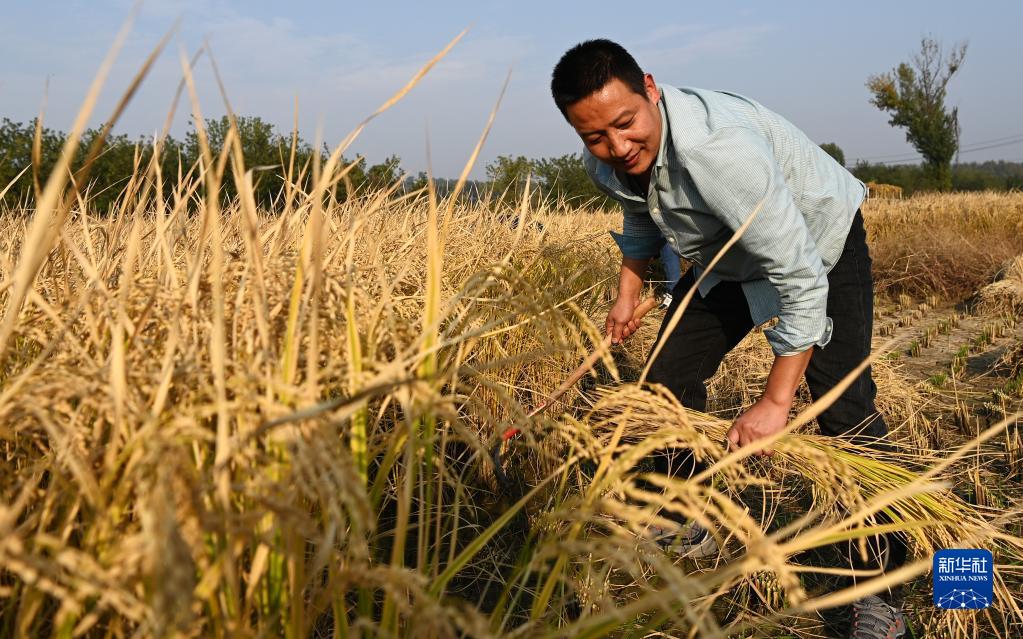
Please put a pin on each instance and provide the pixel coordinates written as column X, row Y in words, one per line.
column 618, row 146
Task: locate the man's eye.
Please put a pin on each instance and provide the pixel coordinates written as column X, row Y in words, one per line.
column 627, row 124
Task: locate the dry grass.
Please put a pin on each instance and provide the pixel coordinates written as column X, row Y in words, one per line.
column 110, row 406
column 947, row 244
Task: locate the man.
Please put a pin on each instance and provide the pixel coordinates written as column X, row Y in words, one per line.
column 689, row 166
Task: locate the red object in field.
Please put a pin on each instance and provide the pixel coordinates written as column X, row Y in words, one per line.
column 644, row 307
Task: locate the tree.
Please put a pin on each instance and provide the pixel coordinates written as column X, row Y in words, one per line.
column 561, row 178
column 417, row 182
column 262, row 148
column 914, row 95
column 16, row 141
column 508, row 176
column 383, row 175
column 834, row 151
column 565, row 178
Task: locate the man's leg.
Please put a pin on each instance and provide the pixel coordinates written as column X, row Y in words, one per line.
column 710, row 327
column 851, row 308
column 853, row 414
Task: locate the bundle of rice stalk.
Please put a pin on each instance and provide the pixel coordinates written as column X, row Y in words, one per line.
column 1005, row 293
column 861, row 492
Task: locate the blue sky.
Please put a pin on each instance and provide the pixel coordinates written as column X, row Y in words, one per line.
column 807, row 60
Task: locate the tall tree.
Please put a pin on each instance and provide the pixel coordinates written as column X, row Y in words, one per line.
column 914, row 95
column 383, row 175
column 262, row 148
column 834, row 151
column 508, row 176
column 565, row 178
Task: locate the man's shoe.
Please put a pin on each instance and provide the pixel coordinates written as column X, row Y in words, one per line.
column 692, row 541
column 873, row 618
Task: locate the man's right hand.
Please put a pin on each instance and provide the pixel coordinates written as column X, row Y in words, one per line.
column 620, row 324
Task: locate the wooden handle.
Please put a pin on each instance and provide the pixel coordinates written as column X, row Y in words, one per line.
column 642, row 309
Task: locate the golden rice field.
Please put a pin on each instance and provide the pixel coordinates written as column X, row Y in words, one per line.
column 220, row 422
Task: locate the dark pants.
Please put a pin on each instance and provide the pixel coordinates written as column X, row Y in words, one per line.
column 713, row 325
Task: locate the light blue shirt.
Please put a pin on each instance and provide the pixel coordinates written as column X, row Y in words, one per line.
column 720, row 154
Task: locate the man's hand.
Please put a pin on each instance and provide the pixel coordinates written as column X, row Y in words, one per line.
column 619, row 323
column 763, row 419
column 771, row 412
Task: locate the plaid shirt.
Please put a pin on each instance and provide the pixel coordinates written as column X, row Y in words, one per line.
column 721, row 153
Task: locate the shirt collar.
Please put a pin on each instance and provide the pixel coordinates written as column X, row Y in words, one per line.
column 663, row 150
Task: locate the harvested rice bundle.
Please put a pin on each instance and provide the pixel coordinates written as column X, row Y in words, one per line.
column 1005, row 294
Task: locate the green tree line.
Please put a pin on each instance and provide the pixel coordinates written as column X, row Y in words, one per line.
column 993, row 175
column 557, row 179
column 266, row 151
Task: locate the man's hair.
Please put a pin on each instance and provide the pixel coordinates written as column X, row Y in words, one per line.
column 588, row 66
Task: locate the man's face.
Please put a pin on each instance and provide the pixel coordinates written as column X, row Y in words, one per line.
column 620, row 128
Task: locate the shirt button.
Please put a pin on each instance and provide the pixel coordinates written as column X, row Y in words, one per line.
column 656, row 211
column 671, row 240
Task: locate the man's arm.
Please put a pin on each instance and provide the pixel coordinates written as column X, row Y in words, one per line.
column 619, row 322
column 640, row 241
column 771, row 412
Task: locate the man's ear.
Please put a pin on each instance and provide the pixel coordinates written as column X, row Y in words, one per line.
column 652, row 92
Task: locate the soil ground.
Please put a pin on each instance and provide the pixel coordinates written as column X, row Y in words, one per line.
column 957, row 357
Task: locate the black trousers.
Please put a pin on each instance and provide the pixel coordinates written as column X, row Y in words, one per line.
column 713, row 325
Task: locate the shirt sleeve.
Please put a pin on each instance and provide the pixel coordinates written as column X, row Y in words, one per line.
column 640, row 237
column 733, row 169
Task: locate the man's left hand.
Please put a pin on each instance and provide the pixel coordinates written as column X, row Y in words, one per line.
column 763, row 419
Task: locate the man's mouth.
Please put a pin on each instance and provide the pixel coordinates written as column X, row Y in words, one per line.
column 632, row 159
